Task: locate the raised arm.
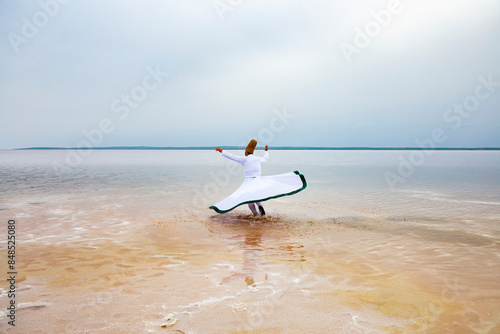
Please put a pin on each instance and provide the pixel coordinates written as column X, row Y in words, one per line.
column 266, row 156
column 230, row 156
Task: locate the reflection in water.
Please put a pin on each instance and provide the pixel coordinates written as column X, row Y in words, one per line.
column 259, row 239
column 252, row 254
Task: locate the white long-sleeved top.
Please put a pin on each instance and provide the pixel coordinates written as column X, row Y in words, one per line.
column 251, row 164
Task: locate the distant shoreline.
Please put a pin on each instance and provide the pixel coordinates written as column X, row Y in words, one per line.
column 273, row 148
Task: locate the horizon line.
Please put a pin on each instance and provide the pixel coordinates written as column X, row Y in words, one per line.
column 232, row 147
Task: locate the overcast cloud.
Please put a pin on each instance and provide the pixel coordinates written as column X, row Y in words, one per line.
column 274, row 70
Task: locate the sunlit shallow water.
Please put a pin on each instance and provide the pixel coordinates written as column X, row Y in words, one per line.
column 125, row 238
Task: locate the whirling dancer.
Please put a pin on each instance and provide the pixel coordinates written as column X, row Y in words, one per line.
column 256, row 188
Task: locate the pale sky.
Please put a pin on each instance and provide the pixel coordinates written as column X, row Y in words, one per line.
column 288, row 73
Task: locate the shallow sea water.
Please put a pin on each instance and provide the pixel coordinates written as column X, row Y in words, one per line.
column 124, row 242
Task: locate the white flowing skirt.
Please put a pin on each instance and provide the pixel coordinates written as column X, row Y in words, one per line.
column 262, row 188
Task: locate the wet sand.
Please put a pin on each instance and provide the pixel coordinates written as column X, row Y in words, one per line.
column 193, row 271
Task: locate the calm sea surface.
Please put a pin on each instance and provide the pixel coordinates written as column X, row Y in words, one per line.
column 418, row 244
column 448, row 190
column 462, row 184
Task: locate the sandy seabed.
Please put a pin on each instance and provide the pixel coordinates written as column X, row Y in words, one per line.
column 194, row 271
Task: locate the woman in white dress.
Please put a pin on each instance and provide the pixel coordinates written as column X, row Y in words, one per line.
column 256, row 188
